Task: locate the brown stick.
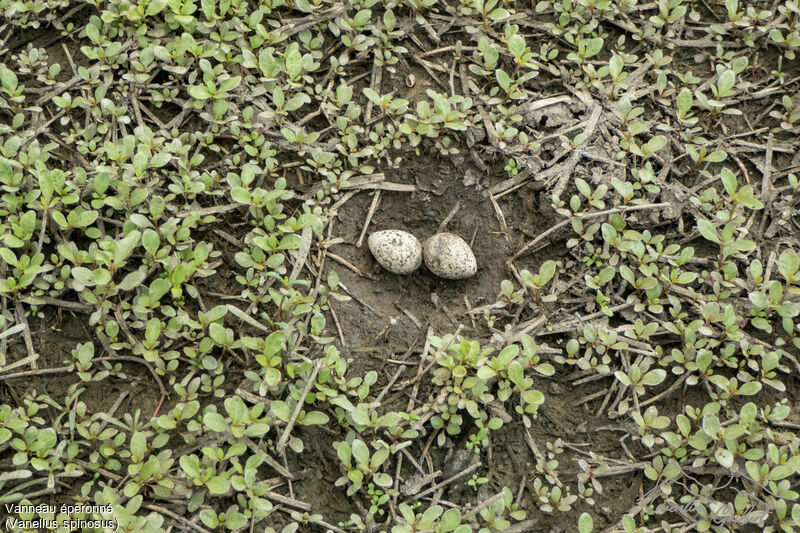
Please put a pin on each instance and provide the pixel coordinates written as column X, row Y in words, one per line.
column 344, row 262
column 449, row 216
column 434, row 488
column 281, row 446
column 376, row 200
column 175, row 516
column 26, row 333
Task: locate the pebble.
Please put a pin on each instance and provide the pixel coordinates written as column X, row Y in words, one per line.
column 449, row 256
column 397, row 251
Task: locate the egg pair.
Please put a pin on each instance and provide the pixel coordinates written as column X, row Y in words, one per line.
column 446, row 255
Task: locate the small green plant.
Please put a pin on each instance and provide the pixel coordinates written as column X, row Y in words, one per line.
column 511, row 167
column 475, row 482
column 361, row 467
column 434, row 518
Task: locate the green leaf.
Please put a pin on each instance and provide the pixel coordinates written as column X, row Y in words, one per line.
column 155, row 7
column 360, row 452
column 707, row 230
column 382, row 480
column 605, row 275
column 82, row 275
column 615, row 65
column 159, row 288
column 151, row 241
column 215, row 422
column 343, row 451
column 230, row 84
column 294, row 63
column 198, row 92
column 131, row 489
column 360, row 415
column 139, row 162
column 378, row 458
column 209, row 518
column 235, row 521
column 593, row 47
column 623, row 378
column 289, row 242
column 684, row 101
column 503, row 79
column 498, row 14
column 218, row 485
column 759, row 299
column 208, row 7
column 515, row 373
column 190, row 465
column 8, row 79
column 533, row 397
column 101, row 276
column 585, row 523
column 28, row 222
column 516, row 45
column 389, row 419
column 654, row 377
column 724, row 457
column 362, row 17
column 781, row 472
column 583, row 187
column 281, row 409
column 528, row 345
column 159, row 160
column 60, row 219
column 628, row 523
column 407, row 512
column 450, row 520
column 494, row 423
column 431, row 514
column 655, row 144
column 6, row 171
column 138, row 445
column 507, row 354
column 132, row 280
column 140, row 220
column 11, row 258
column 788, row 264
column 46, row 186
column 240, row 195
column 373, row 95
column 609, row 233
column 296, row 102
column 344, row 403
column 729, row 181
column 725, row 83
column 274, row 343
column 486, row 373
column 86, row 218
column 236, row 408
column 547, row 271
column 218, row 334
column 125, row 246
column 389, row 20
column 314, row 418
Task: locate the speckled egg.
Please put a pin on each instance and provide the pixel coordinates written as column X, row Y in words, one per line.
column 449, row 256
column 396, row 251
